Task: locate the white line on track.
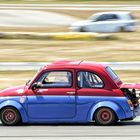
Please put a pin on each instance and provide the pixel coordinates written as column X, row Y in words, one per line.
column 70, row 7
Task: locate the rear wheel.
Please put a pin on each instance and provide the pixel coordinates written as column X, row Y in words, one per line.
column 10, row 116
column 105, row 116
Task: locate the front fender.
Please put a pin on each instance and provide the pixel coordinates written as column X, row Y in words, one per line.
column 16, row 105
column 115, row 107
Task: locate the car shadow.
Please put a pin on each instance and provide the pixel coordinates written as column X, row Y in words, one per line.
column 122, row 123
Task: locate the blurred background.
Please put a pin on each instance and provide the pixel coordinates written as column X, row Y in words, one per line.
column 42, row 31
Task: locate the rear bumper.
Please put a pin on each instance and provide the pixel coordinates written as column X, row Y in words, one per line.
column 133, row 114
column 137, row 111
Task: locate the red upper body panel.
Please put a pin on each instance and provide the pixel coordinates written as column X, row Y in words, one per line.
column 13, row 91
column 111, row 87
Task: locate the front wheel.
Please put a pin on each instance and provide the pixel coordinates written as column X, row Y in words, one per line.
column 121, row 29
column 82, row 29
column 10, row 116
column 105, row 116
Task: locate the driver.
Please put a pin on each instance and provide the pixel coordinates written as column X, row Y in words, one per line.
column 45, row 80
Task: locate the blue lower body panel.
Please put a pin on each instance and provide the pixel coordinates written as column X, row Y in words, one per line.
column 67, row 109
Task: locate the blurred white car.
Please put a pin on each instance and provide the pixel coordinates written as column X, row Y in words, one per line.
column 106, row 22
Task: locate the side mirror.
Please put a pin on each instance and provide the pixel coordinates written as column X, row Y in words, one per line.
column 36, row 85
column 93, row 20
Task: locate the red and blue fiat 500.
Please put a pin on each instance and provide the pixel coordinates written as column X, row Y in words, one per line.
column 70, row 92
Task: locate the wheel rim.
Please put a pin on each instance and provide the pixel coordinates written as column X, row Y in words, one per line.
column 9, row 116
column 105, row 116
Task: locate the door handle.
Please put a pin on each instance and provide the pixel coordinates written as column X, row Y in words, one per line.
column 41, row 90
column 70, row 93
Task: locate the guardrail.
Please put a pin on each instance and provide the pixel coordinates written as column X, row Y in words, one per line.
column 21, row 66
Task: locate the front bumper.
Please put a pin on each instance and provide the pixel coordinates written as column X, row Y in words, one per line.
column 74, row 29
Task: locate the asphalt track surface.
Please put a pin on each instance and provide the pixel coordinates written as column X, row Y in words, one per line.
column 122, row 130
column 31, row 18
column 24, row 15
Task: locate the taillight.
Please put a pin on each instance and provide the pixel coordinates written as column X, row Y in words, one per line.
column 130, row 104
column 130, row 24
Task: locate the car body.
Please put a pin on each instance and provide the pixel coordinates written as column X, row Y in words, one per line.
column 70, row 92
column 106, row 22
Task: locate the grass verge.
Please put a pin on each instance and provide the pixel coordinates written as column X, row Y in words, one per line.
column 24, row 50
column 57, row 36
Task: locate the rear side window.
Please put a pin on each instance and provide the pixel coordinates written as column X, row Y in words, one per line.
column 112, row 74
column 89, row 80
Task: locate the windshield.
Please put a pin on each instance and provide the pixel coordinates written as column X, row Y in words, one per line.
column 131, row 17
column 30, row 81
column 93, row 17
column 112, row 74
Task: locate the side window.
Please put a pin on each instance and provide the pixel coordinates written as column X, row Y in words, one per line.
column 101, row 18
column 113, row 17
column 56, row 79
column 106, row 17
column 89, row 80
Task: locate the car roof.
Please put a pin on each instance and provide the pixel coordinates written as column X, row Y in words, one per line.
column 113, row 12
column 74, row 64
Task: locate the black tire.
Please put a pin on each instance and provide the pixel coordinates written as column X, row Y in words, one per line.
column 10, row 116
column 82, row 29
column 121, row 29
column 105, row 116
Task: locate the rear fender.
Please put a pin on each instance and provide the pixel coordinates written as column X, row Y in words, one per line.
column 115, row 107
column 16, row 105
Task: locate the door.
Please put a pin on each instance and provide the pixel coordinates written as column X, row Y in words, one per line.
column 91, row 88
column 105, row 23
column 55, row 99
